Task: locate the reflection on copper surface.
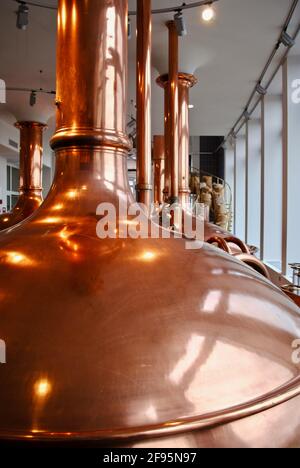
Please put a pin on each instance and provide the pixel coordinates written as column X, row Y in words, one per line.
column 42, row 389
column 31, row 150
column 17, row 259
column 193, row 350
column 159, row 168
column 148, row 256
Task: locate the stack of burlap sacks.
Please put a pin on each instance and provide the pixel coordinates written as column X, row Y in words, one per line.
column 212, row 196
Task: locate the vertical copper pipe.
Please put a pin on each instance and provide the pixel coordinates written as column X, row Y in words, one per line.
column 144, row 36
column 31, row 151
column 91, row 107
column 163, row 81
column 186, row 81
column 173, row 106
column 159, row 168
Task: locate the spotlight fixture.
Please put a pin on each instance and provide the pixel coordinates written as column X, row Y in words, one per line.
column 261, row 90
column 287, row 40
column 191, row 106
column 208, row 14
column 22, row 16
column 180, row 24
column 32, row 99
column 129, row 28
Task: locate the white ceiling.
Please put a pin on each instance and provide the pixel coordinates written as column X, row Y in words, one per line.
column 226, row 56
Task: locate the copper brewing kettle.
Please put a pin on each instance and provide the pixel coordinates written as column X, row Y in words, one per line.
column 122, row 341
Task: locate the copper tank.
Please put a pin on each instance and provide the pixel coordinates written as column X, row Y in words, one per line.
column 31, row 151
column 100, row 347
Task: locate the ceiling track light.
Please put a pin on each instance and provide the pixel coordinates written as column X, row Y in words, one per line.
column 180, row 24
column 22, row 16
column 32, row 99
column 260, row 89
column 287, row 40
column 129, row 30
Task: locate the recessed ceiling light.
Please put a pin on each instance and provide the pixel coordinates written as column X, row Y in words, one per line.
column 208, row 14
column 191, row 106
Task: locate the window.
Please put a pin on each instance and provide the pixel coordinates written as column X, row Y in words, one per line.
column 12, row 186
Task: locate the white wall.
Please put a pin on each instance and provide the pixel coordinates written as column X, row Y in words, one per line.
column 240, row 184
column 254, row 182
column 273, row 154
column 229, row 170
column 291, row 73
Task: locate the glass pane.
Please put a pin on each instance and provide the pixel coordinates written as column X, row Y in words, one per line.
column 14, row 199
column 8, row 184
column 8, row 202
column 15, row 180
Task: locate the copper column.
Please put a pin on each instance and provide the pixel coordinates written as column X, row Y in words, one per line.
column 159, row 168
column 144, row 36
column 173, row 106
column 163, row 81
column 186, row 81
column 31, row 151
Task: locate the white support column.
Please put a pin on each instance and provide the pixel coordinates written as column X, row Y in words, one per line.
column 262, row 181
column 246, row 180
column 240, row 186
column 229, row 169
column 291, row 145
column 253, row 195
column 273, row 163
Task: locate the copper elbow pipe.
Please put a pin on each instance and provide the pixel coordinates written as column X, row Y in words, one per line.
column 239, row 243
column 159, row 168
column 221, row 243
column 185, row 82
column 254, row 263
column 244, row 257
column 31, row 165
column 144, row 40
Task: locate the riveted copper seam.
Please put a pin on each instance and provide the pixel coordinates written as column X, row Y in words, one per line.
column 185, row 82
column 159, row 168
column 31, row 165
column 144, row 40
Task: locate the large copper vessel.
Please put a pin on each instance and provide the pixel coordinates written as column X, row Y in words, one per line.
column 31, row 151
column 130, row 342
